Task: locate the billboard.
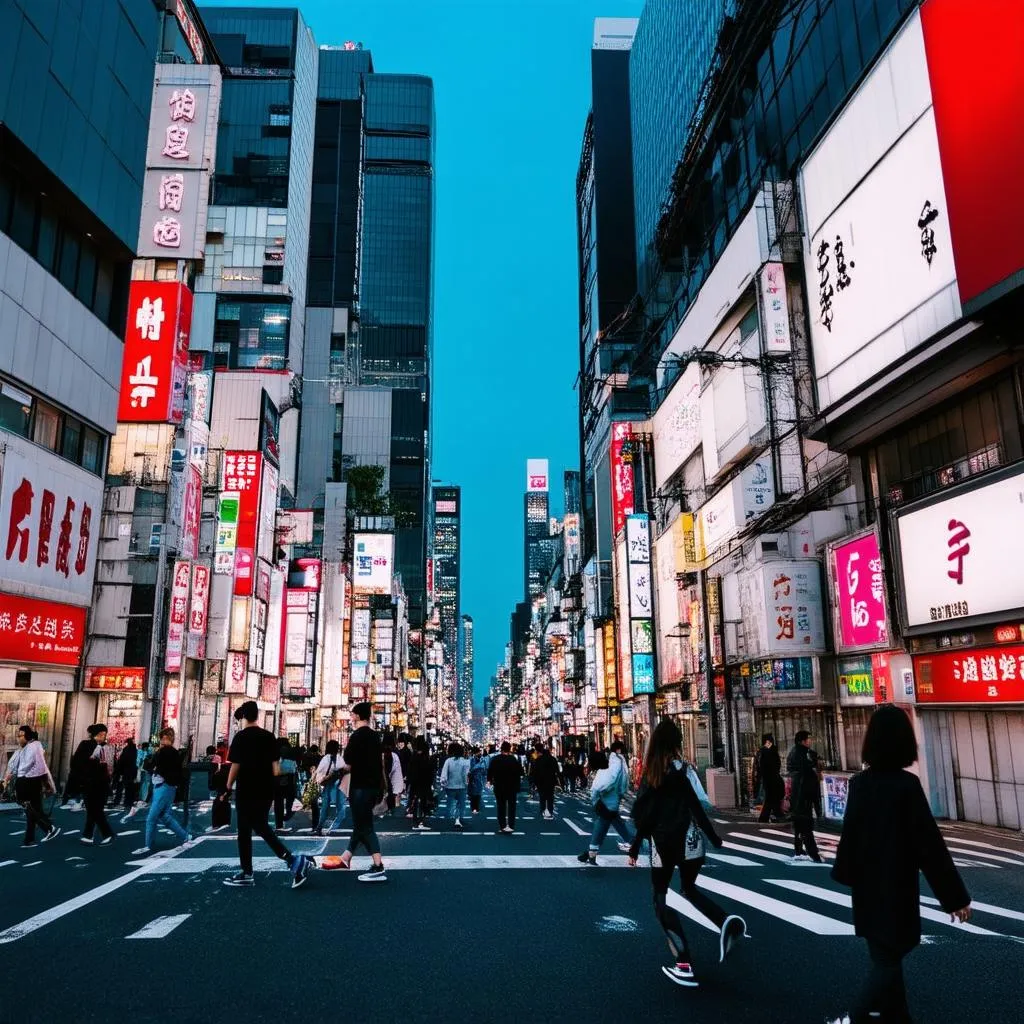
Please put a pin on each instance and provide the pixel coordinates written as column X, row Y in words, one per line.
column 959, row 560
column 40, row 632
column 199, row 608
column 677, row 429
column 154, row 366
column 622, row 475
column 858, row 590
column 177, row 616
column 373, row 562
column 774, row 308
column 294, row 526
column 536, row 474
column 116, row 679
column 985, row 675
column 780, row 603
column 242, row 473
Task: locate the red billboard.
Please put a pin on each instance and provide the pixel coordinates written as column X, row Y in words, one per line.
column 153, row 373
column 242, row 474
column 985, row 675
column 177, row 616
column 40, row 632
column 122, row 680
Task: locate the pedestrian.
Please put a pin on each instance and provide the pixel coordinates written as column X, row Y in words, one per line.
column 91, row 767
column 477, row 780
column 364, row 764
column 606, row 792
column 393, row 774
column 404, row 759
column 454, row 781
column 328, row 774
column 285, row 786
column 669, row 812
column 255, row 758
column 889, row 837
column 545, row 777
column 127, row 770
column 421, row 783
column 803, row 781
column 768, row 778
column 167, row 776
column 31, row 779
column 815, row 761
column 505, row 774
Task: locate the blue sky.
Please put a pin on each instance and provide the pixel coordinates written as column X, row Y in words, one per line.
column 512, row 90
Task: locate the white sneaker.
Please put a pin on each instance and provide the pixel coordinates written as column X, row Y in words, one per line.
column 839, row 1020
column 142, row 851
column 624, row 847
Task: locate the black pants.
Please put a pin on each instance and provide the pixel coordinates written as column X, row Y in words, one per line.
column 506, row 801
column 419, row 805
column 670, row 921
column 803, row 835
column 253, row 818
column 774, row 791
column 363, row 833
column 29, row 793
column 284, row 795
column 883, row 990
column 131, row 793
column 95, row 814
column 547, row 798
column 474, row 802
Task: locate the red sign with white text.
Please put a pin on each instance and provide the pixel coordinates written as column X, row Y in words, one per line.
column 178, row 615
column 40, row 632
column 153, row 373
column 242, row 474
column 200, row 599
column 192, row 512
column 122, row 680
column 986, row 675
column 623, row 501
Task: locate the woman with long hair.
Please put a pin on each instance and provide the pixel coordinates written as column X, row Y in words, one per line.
column 889, row 838
column 669, row 812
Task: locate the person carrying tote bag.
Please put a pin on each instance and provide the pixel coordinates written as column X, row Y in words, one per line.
column 609, row 786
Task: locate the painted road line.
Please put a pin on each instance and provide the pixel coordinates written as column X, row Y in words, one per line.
column 159, row 928
column 985, row 908
column 727, row 858
column 34, row 923
column 825, row 837
column 572, row 824
column 831, row 896
column 961, row 863
column 4, row 863
column 687, row 909
column 33, row 864
column 757, row 852
column 954, row 838
column 810, row 921
column 130, row 832
column 551, row 833
column 983, row 855
column 774, row 842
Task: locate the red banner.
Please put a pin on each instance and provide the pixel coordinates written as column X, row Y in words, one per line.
column 153, row 373
column 200, row 599
column 178, row 615
column 192, row 512
column 986, row 675
column 124, row 680
column 622, row 476
column 242, row 474
column 40, row 632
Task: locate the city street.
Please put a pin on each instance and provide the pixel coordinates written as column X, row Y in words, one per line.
column 472, row 922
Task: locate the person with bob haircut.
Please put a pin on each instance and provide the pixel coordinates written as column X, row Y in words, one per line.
column 889, row 837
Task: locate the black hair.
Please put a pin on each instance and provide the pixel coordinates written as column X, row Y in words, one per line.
column 665, row 745
column 30, row 733
column 598, row 761
column 249, row 711
column 333, row 748
column 363, row 710
column 506, row 747
column 455, row 750
column 420, row 745
column 618, row 747
column 95, row 730
column 889, row 743
column 768, row 738
column 211, row 749
column 802, row 734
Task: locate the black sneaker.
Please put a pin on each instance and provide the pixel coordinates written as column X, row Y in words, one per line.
column 374, row 875
column 733, row 929
column 301, row 867
column 240, row 880
column 681, row 974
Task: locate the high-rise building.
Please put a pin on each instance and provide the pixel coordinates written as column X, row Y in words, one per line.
column 447, row 516
column 536, row 527
column 466, row 662
column 370, row 329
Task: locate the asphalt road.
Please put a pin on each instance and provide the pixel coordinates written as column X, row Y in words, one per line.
column 469, row 926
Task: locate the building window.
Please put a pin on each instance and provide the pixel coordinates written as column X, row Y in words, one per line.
column 46, row 426
column 15, row 410
column 251, row 335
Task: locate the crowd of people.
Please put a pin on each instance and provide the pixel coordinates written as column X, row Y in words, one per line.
column 889, row 835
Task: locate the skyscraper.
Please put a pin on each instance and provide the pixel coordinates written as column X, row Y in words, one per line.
column 447, row 556
column 465, row 692
column 535, row 527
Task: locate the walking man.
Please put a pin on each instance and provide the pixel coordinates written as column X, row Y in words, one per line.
column 505, row 774
column 91, row 766
column 545, row 777
column 364, row 761
column 255, row 765
column 803, row 783
column 28, row 766
column 167, row 776
column 768, row 776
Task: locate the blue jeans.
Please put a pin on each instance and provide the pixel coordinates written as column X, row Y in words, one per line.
column 329, row 794
column 456, row 804
column 601, row 826
column 160, row 814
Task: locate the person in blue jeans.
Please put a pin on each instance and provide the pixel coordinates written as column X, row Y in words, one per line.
column 167, row 776
column 611, row 780
column 328, row 774
column 454, row 781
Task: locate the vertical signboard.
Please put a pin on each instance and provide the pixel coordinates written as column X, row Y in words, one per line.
column 192, row 513
column 242, row 477
column 641, row 605
column 199, row 606
column 372, row 562
column 774, row 309
column 178, row 616
column 622, row 475
column 858, row 588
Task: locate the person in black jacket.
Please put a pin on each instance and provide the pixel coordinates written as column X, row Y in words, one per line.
column 889, row 836
column 89, row 766
column 505, row 773
column 803, row 785
column 664, row 808
column 364, row 761
column 126, row 770
column 768, row 776
column 544, row 775
column 420, row 776
column 167, row 777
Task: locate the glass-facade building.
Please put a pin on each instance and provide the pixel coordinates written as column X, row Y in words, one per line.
column 467, row 659
column 536, row 529
column 447, row 509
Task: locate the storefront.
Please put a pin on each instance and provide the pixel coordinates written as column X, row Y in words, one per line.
column 120, row 697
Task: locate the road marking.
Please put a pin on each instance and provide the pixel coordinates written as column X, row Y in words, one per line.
column 33, row 863
column 4, row 863
column 985, row 908
column 18, row 832
column 688, row 910
column 551, row 833
column 769, row 854
column 831, row 896
column 953, row 838
column 572, row 824
column 985, row 856
column 66, row 859
column 160, row 927
column 72, row 832
column 775, row 842
column 130, row 832
column 810, row 921
column 739, row 862
column 825, row 837
column 37, row 921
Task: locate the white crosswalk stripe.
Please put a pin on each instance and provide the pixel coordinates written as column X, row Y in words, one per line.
column 808, row 920
column 159, row 928
column 984, row 908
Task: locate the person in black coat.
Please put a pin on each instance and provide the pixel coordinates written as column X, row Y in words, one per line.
column 889, row 836
column 768, row 776
column 90, row 768
column 505, row 773
column 803, row 785
column 544, row 775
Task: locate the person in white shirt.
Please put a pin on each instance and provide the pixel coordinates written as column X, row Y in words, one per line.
column 28, row 767
column 329, row 773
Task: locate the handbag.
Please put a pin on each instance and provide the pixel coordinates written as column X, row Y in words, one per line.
column 311, row 793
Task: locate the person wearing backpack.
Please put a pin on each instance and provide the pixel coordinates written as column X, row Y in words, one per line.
column 454, row 781
column 328, row 775
column 611, row 780
column 669, row 812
